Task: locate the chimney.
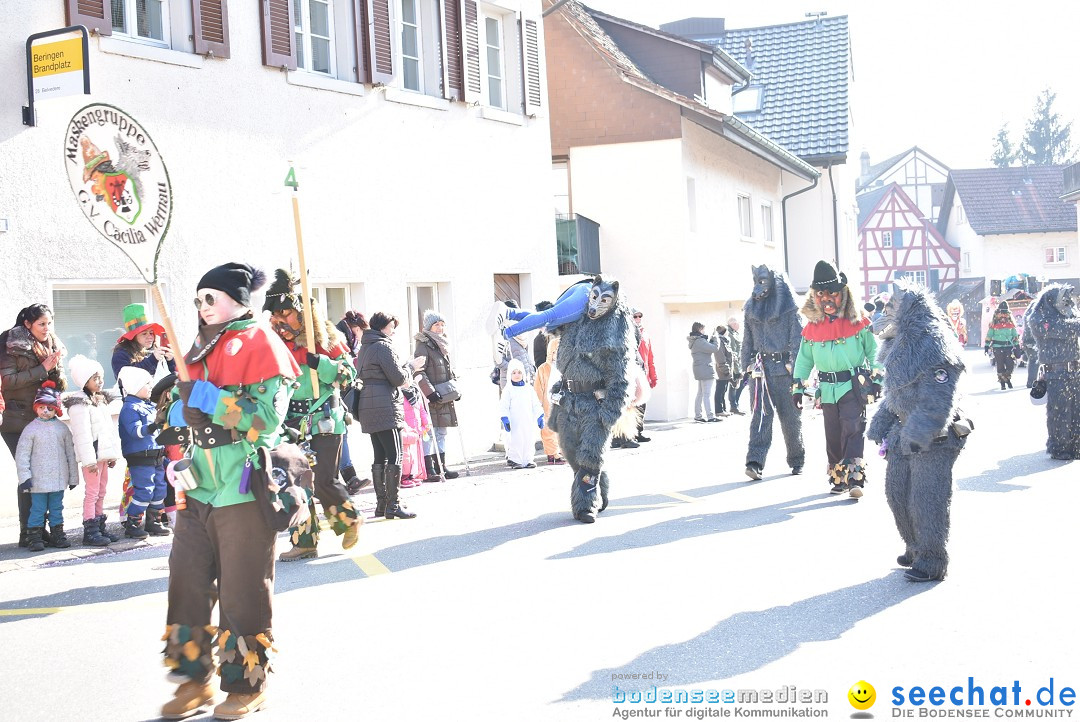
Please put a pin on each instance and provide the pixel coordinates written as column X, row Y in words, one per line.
column 864, row 164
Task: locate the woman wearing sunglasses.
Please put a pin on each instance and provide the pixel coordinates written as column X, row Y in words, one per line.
column 223, row 548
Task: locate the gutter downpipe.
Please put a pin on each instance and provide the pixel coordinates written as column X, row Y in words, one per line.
column 553, row 8
column 835, row 227
column 783, row 209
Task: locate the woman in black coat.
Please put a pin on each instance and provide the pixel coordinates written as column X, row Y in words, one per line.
column 30, row 354
column 381, row 412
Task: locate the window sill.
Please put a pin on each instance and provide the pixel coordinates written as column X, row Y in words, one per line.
column 746, row 239
column 304, row 79
column 409, row 97
column 116, row 46
column 501, row 116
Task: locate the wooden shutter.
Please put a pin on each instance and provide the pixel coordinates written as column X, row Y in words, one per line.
column 279, row 48
column 451, row 11
column 380, row 43
column 470, row 46
column 211, row 23
column 530, row 65
column 363, row 66
column 94, row 14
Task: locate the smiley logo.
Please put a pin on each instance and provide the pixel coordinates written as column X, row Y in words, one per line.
column 862, row 695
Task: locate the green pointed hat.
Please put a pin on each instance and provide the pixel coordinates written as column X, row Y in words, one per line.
column 135, row 322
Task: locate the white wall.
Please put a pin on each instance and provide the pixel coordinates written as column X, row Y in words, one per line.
column 1007, row 255
column 392, row 193
column 810, row 227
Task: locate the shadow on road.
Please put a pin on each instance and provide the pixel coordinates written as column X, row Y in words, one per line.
column 1007, row 470
column 747, row 641
column 86, row 595
column 694, row 525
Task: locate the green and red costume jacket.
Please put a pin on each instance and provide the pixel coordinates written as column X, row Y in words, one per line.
column 335, row 371
column 1002, row 335
column 835, row 345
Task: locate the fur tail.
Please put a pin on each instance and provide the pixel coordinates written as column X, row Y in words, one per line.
column 627, row 425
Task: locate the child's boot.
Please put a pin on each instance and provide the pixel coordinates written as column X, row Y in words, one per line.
column 91, row 536
column 191, row 697
column 153, row 523
column 105, row 530
column 133, row 527
column 34, row 541
column 59, row 538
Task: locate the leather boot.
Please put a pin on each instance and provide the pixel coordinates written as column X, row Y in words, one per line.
column 24, row 540
column 432, row 467
column 446, row 472
column 91, row 536
column 189, row 699
column 105, row 530
column 133, row 527
column 394, row 510
column 59, row 538
column 34, row 541
column 378, row 478
column 353, row 483
column 239, row 706
column 154, row 526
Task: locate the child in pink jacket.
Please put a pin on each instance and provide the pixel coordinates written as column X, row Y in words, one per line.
column 417, row 427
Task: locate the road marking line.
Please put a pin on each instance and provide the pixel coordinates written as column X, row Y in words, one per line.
column 370, row 566
column 680, row 497
column 29, row 612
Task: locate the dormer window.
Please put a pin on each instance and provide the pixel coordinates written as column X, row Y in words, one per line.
column 748, row 100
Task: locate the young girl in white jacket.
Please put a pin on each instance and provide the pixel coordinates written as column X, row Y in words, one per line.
column 522, row 414
column 97, row 442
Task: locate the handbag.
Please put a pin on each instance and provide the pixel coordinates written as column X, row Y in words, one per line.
column 448, row 390
column 279, row 486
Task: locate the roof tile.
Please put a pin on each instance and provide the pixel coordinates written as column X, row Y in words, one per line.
column 1015, row 200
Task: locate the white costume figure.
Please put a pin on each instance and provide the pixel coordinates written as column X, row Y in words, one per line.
column 521, row 408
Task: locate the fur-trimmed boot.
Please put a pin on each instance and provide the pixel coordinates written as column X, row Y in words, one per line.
column 105, row 529
column 394, row 510
column 378, row 478
column 446, row 472
column 92, row 536
column 432, row 467
column 153, row 526
column 856, row 477
column 584, row 496
column 133, row 527
column 59, row 538
column 34, row 541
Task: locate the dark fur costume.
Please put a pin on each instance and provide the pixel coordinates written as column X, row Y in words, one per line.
column 1056, row 336
column 771, row 325
column 922, row 360
column 594, row 355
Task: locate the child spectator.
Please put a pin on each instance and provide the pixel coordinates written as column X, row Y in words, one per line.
column 520, row 411
column 145, row 457
column 97, row 443
column 417, row 428
column 45, row 462
column 546, row 375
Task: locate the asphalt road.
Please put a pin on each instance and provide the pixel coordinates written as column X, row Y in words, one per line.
column 495, row 605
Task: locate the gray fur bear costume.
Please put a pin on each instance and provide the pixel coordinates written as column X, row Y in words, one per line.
column 1053, row 323
column 596, row 359
column 919, row 423
column 772, row 333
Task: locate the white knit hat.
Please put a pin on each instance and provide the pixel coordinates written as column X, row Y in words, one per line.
column 82, row 369
column 133, row 379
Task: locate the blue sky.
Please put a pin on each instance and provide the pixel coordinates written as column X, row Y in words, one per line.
column 943, row 75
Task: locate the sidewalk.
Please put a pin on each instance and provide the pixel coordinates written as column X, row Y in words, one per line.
column 482, row 468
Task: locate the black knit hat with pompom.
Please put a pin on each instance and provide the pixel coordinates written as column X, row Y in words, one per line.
column 238, row 280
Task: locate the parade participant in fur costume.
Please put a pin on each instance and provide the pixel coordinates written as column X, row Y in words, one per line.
column 838, row 341
column 955, row 311
column 593, row 401
column 317, row 414
column 918, row 425
column 1002, row 343
column 1056, row 327
column 771, row 336
column 223, row 546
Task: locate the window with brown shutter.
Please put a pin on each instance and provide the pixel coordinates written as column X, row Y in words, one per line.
column 91, row 13
column 470, row 35
column 530, row 51
column 279, row 49
column 363, row 64
column 381, row 47
column 211, row 24
column 451, row 10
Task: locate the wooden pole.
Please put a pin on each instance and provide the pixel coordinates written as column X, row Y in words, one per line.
column 178, row 356
column 309, row 328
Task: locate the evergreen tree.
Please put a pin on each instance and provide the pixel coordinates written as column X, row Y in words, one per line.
column 1047, row 139
column 1004, row 154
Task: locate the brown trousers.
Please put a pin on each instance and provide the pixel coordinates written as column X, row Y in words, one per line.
column 232, row 546
column 845, row 424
